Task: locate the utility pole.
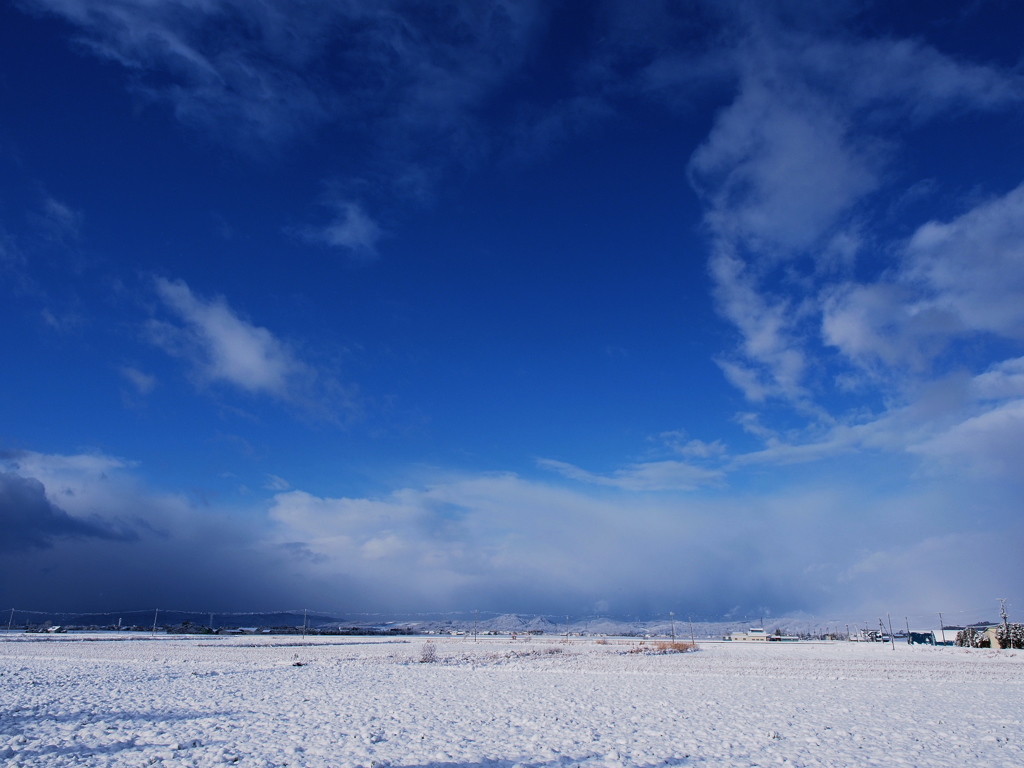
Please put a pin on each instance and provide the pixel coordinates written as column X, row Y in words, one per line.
column 908, row 629
column 567, row 628
column 10, row 621
column 304, row 612
column 692, row 641
column 891, row 638
column 1004, row 617
column 942, row 628
column 476, row 622
column 154, row 621
column 672, row 618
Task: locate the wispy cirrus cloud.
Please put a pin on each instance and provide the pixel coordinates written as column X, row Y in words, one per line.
column 272, row 70
column 403, row 86
column 59, row 222
column 664, row 475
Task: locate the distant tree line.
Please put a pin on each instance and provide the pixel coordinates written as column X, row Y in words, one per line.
column 1002, row 636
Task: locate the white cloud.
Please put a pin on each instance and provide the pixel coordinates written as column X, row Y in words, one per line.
column 222, row 346
column 1004, row 380
column 989, row 444
column 275, row 483
column 644, row 476
column 783, row 173
column 776, row 172
column 65, row 322
column 778, row 167
column 481, row 539
column 897, row 570
column 144, row 383
column 499, row 540
column 881, row 323
column 955, row 278
column 503, row 542
column 767, row 329
column 679, row 442
column 912, row 77
column 66, row 469
column 59, row 221
column 351, row 229
column 960, row 426
column 973, row 266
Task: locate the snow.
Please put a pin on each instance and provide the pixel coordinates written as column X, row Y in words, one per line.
column 119, row 700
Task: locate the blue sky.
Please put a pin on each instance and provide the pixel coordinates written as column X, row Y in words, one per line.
column 592, row 308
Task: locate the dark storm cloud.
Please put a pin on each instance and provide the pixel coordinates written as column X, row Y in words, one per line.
column 28, row 520
column 181, row 553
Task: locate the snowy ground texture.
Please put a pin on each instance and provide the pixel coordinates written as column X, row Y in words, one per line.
column 497, row 703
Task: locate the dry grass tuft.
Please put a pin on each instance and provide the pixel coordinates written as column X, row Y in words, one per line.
column 674, row 647
column 662, row 648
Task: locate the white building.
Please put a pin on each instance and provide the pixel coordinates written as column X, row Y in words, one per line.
column 754, row 634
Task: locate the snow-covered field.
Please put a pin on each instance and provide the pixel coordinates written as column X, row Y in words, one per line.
column 143, row 701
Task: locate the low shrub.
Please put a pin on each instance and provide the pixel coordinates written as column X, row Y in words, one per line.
column 428, row 654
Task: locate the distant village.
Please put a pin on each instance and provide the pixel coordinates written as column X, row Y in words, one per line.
column 996, row 635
